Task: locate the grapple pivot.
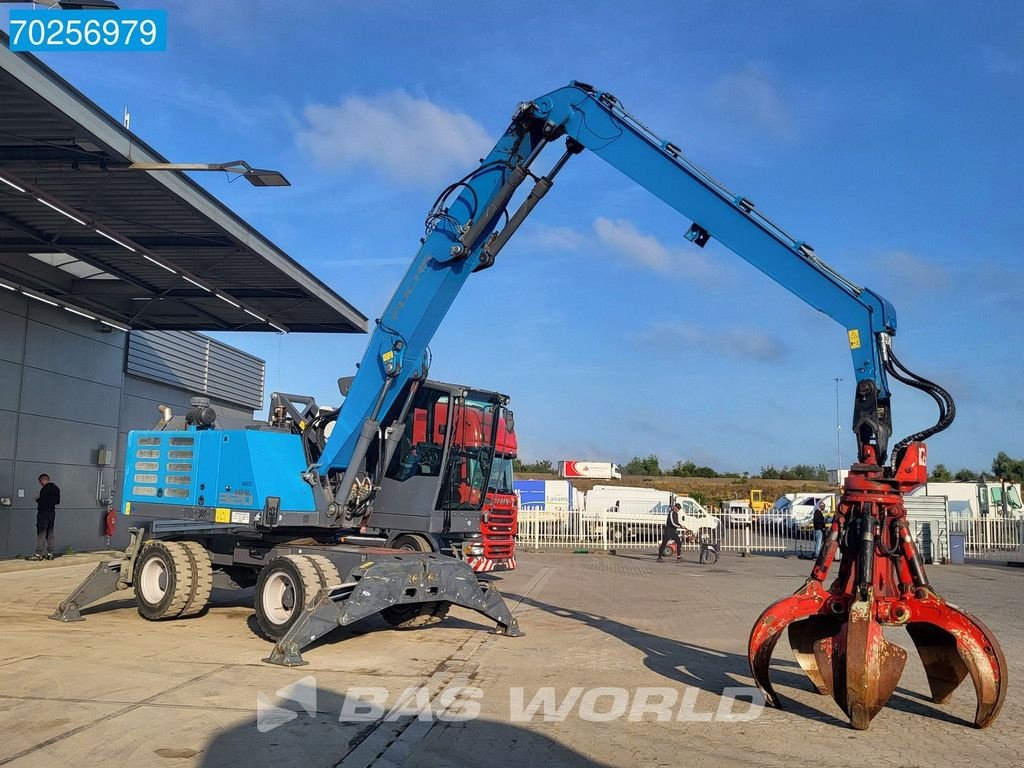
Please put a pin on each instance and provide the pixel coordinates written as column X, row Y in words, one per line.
column 836, row 633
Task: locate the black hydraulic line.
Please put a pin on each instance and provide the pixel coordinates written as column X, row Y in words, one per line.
column 496, row 205
column 866, row 560
column 947, row 408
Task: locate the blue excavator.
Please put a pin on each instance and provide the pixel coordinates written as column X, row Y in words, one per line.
column 287, row 489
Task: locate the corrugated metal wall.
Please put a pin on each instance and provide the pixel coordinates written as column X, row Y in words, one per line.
column 64, row 393
column 198, row 364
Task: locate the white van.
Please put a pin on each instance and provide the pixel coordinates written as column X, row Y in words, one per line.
column 630, row 513
column 794, row 512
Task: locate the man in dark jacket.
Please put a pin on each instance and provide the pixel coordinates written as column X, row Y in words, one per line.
column 46, row 512
column 671, row 533
column 818, row 522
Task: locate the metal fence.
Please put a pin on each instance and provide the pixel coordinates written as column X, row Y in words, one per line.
column 991, row 537
column 985, row 538
column 607, row 530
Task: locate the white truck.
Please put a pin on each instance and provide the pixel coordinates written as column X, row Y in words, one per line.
column 590, row 470
column 978, row 499
column 624, row 514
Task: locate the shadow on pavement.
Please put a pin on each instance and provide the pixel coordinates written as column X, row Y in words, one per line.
column 709, row 669
column 313, row 736
column 713, row 670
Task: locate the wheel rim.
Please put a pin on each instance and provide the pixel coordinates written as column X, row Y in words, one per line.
column 278, row 598
column 153, row 580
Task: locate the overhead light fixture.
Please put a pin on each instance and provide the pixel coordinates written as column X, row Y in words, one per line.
column 39, row 298
column 250, row 312
column 79, row 313
column 113, row 239
column 118, row 326
column 162, row 266
column 10, row 183
column 258, row 177
column 8, row 287
column 60, row 211
column 276, row 327
column 228, row 301
column 197, row 285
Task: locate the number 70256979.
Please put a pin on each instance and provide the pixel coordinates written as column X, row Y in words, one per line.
column 88, row 31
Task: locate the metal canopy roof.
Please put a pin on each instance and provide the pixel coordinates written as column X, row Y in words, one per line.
column 147, row 250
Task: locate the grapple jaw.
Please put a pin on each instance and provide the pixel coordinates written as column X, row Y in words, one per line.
column 837, row 633
column 953, row 644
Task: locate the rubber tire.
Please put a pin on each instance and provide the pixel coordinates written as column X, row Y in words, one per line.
column 667, row 551
column 708, row 557
column 409, row 542
column 180, row 578
column 203, row 569
column 306, row 583
column 329, row 577
column 415, row 615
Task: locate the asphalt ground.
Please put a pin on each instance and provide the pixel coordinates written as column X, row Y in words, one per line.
column 625, row 662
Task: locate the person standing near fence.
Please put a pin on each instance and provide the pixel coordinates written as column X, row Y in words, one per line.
column 819, row 527
column 46, row 513
column 671, row 532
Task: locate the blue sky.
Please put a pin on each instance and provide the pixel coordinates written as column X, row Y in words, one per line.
column 888, row 135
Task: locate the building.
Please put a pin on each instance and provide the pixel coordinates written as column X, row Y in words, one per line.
column 107, row 273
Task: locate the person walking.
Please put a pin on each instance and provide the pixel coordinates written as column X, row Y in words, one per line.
column 46, row 513
column 819, row 527
column 671, row 532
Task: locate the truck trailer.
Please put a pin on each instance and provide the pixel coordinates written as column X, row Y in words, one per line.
column 591, row 470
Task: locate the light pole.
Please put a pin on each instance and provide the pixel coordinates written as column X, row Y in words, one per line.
column 839, row 429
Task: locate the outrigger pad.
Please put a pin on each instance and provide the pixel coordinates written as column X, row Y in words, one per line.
column 100, row 583
column 377, row 585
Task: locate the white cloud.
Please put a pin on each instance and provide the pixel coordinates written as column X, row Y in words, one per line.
column 736, row 343
column 908, row 271
column 624, row 238
column 407, row 138
column 751, row 95
column 559, row 239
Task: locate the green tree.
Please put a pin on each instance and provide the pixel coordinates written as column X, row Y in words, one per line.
column 940, row 474
column 1006, row 468
column 648, row 465
column 542, row 467
column 769, row 473
column 966, row 476
column 683, row 469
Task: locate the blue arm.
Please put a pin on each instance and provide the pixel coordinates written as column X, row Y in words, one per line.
column 461, row 239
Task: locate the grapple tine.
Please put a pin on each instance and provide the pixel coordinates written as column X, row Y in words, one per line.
column 837, row 635
column 865, row 666
column 803, row 635
column 809, row 600
column 953, row 644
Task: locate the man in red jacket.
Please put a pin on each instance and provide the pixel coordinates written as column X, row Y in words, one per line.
column 46, row 512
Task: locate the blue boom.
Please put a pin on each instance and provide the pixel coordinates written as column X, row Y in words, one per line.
column 462, row 238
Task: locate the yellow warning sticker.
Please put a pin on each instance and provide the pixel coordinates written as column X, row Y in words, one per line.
column 854, row 338
column 127, row 507
column 222, row 515
column 387, row 355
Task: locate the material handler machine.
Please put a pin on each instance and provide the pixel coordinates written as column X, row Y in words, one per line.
column 836, row 629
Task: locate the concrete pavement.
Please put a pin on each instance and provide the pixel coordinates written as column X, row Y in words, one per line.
column 624, row 660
